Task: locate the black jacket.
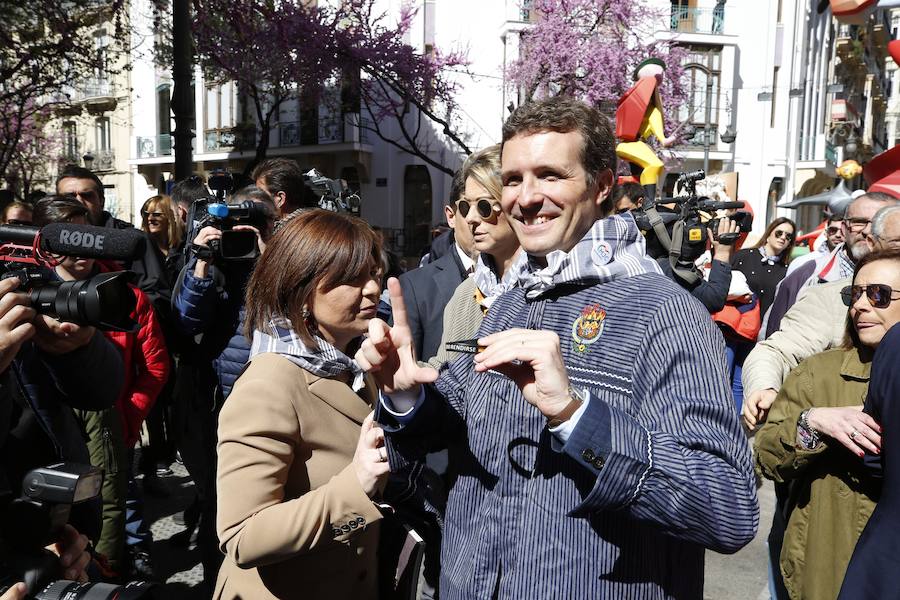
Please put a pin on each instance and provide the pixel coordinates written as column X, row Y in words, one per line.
column 151, row 277
column 37, row 428
column 711, row 293
column 426, row 292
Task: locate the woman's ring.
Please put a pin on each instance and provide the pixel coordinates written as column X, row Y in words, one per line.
column 853, row 435
column 382, row 454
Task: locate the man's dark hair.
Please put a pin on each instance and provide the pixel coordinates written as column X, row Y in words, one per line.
column 562, row 115
column 76, row 172
column 189, row 189
column 284, row 175
column 634, row 191
column 457, row 187
column 58, row 209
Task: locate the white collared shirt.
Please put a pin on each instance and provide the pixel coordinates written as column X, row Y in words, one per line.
column 467, row 262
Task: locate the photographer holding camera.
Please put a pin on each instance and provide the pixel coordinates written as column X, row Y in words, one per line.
column 693, row 247
column 208, row 301
column 710, row 289
column 46, row 368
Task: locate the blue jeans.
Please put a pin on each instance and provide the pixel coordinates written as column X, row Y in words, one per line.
column 136, row 531
column 736, row 353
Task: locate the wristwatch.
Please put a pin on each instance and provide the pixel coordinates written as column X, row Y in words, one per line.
column 807, row 437
column 564, row 415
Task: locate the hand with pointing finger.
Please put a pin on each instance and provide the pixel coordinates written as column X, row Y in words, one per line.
column 388, row 352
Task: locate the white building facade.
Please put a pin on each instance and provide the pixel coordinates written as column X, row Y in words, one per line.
column 787, row 87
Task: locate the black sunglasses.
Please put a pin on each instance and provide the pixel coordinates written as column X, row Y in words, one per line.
column 783, row 234
column 146, row 214
column 484, row 207
column 878, row 294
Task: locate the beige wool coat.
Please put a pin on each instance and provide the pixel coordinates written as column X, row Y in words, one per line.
column 293, row 519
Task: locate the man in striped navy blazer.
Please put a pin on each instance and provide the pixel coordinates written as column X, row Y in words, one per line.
column 593, row 435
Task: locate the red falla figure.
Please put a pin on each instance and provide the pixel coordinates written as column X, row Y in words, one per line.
column 638, row 116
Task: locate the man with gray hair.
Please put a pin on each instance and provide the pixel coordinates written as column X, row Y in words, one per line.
column 814, row 324
column 837, row 265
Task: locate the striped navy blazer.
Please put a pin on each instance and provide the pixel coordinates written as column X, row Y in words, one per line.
column 656, row 469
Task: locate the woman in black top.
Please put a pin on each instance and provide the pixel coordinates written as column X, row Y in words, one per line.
column 764, row 265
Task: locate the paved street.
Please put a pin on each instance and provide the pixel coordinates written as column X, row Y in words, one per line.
column 741, row 576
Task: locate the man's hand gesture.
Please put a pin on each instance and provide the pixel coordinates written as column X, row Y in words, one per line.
column 533, row 360
column 388, row 353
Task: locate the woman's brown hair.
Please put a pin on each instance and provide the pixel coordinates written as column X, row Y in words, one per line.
column 315, row 248
column 785, row 256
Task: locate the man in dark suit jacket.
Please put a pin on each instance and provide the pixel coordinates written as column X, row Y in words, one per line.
column 428, row 289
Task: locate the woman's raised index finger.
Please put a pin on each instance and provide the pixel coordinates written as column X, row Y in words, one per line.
column 398, row 306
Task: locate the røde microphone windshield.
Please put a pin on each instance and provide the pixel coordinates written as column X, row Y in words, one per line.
column 84, row 241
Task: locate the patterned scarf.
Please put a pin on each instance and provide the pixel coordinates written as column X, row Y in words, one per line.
column 327, row 361
column 488, row 281
column 766, row 258
column 613, row 248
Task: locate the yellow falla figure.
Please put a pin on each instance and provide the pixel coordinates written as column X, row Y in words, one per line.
column 638, row 116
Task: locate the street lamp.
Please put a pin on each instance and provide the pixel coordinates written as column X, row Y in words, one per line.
column 88, row 160
column 728, row 136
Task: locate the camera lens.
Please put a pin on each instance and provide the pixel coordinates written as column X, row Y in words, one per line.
column 73, row 590
column 104, row 301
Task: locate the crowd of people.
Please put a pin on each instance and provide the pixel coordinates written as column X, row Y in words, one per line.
column 543, row 408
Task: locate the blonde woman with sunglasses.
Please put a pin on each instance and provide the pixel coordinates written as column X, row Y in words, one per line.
column 496, row 244
column 817, row 435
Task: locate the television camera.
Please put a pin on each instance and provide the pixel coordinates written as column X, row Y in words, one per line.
column 677, row 227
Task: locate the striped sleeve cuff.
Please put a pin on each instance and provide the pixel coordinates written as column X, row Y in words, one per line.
column 617, row 449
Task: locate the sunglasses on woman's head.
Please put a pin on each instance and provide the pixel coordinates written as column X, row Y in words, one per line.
column 783, row 234
column 879, row 295
column 484, row 207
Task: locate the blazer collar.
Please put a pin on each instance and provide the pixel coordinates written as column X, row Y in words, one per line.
column 340, row 397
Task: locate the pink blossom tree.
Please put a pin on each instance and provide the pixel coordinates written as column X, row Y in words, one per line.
column 296, row 49
column 590, row 48
column 47, row 49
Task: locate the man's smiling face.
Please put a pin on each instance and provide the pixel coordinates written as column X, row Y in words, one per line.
column 546, row 192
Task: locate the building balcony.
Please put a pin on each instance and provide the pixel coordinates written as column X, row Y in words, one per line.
column 97, row 95
column 154, row 146
column 224, row 139
column 846, row 40
column 331, row 129
column 881, row 28
column 104, row 160
column 697, row 20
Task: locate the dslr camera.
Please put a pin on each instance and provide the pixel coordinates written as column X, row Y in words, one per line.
column 213, row 211
column 36, row 520
column 332, row 194
column 235, row 244
column 104, row 301
column 680, row 232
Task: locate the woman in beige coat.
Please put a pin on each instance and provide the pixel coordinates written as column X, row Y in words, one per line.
column 300, row 460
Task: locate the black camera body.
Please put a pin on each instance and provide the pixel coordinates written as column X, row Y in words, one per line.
column 104, row 301
column 36, row 520
column 234, row 244
column 332, row 194
column 681, row 232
